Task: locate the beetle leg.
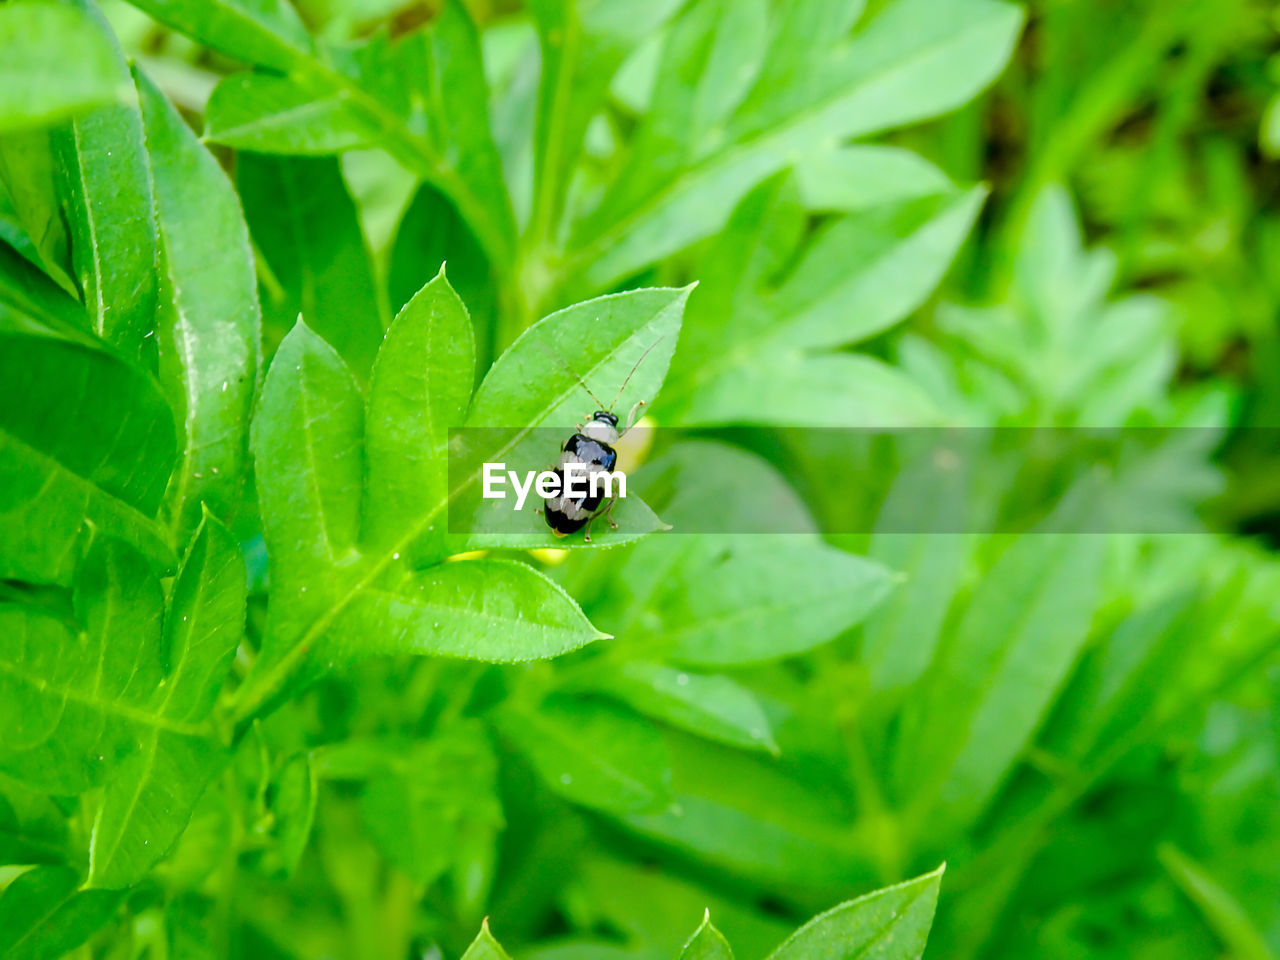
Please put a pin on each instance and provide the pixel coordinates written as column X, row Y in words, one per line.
column 608, row 512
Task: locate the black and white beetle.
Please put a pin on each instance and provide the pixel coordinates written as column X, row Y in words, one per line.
column 592, row 446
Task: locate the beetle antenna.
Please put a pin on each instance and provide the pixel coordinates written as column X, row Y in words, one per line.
column 634, row 368
column 569, row 370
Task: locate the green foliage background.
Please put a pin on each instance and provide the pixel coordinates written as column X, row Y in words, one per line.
column 256, row 699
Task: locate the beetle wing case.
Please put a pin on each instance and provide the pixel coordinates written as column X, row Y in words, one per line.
column 569, row 514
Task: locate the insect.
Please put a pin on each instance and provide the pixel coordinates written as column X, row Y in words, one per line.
column 591, row 446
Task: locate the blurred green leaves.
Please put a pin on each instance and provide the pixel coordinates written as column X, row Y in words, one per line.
column 59, row 63
column 802, row 96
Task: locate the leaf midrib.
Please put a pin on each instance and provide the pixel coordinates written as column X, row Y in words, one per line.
column 100, row 309
column 467, row 612
column 150, row 748
column 103, row 706
column 119, row 506
column 264, row 121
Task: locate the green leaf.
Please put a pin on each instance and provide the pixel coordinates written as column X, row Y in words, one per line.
column 709, row 61
column 529, row 531
column 582, row 44
column 331, row 597
column 910, row 62
column 862, row 176
column 32, row 828
column 204, row 622
column 306, row 440
column 106, row 191
column 209, row 324
column 1110, row 693
column 56, row 712
column 30, row 301
column 27, row 173
column 101, row 706
column 538, row 382
column 264, row 32
column 913, row 537
column 900, row 638
column 592, row 754
column 296, row 794
column 867, row 271
column 993, row 681
column 44, row 915
column 711, row 706
column 420, row 387
column 272, row 114
column 423, row 98
column 704, row 486
column 1221, row 910
column 747, row 259
column 449, row 75
column 784, row 832
column 83, row 438
column 1270, row 131
column 306, row 229
column 875, row 267
column 57, row 63
column 890, row 924
column 431, row 233
column 149, row 798
column 484, row 947
column 431, row 796
column 785, row 387
column 147, row 803
column 739, row 600
column 791, row 68
column 707, row 943
column 494, row 610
